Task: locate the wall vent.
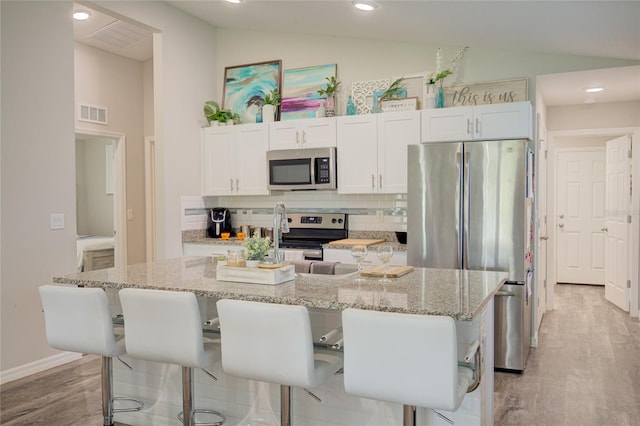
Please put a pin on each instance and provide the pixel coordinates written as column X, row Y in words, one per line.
column 93, row 114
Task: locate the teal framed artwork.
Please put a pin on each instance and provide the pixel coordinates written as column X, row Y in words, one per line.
column 246, row 85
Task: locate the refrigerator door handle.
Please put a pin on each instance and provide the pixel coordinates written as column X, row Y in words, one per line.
column 459, row 168
column 466, row 175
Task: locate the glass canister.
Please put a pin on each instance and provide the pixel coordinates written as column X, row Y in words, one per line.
column 235, row 258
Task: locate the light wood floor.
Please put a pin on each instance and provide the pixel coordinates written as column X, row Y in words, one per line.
column 585, row 371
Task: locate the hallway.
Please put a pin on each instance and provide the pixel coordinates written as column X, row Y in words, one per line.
column 585, row 371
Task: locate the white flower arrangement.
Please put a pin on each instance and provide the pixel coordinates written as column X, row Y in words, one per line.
column 440, row 74
column 257, row 247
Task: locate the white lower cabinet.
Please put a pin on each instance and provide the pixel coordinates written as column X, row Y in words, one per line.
column 399, row 258
column 483, row 122
column 372, row 152
column 234, row 160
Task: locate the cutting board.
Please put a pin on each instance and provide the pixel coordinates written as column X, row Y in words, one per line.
column 356, row 242
column 392, row 271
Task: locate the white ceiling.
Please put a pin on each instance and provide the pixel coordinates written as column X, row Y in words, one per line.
column 609, row 29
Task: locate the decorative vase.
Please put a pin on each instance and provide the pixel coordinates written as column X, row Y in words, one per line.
column 432, row 97
column 252, row 263
column 268, row 113
column 330, row 108
column 440, row 101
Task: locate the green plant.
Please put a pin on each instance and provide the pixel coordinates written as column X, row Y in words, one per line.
column 257, row 247
column 272, row 98
column 213, row 112
column 331, row 88
column 440, row 73
column 393, row 91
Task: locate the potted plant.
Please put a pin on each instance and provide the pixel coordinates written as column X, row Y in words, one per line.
column 393, row 92
column 329, row 92
column 257, row 249
column 270, row 104
column 216, row 116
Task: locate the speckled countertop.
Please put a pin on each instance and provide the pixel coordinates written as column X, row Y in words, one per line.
column 458, row 294
column 235, row 241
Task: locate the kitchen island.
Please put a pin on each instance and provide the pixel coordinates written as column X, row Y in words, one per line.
column 466, row 296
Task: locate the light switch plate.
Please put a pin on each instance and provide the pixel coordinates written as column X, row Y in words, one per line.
column 57, row 221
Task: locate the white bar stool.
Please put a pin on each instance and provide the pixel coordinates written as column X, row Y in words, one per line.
column 273, row 343
column 78, row 319
column 165, row 326
column 410, row 359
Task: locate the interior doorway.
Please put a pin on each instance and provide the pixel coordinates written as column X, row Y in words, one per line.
column 100, row 199
column 588, row 139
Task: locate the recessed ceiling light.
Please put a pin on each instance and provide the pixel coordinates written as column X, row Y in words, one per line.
column 365, row 5
column 234, row 1
column 594, row 89
column 81, row 15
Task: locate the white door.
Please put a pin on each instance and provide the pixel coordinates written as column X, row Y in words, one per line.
column 617, row 226
column 580, row 217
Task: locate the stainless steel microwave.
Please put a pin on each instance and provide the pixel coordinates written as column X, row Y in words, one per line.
column 302, row 169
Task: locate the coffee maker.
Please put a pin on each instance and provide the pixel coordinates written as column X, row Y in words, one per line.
column 218, row 221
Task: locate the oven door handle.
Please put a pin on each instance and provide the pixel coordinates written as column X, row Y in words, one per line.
column 312, row 254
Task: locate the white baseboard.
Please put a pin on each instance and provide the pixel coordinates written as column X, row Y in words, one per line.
column 37, row 366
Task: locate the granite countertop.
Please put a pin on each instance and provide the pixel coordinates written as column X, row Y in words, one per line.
column 455, row 293
column 235, row 241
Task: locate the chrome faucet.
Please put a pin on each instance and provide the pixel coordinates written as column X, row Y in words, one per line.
column 280, row 226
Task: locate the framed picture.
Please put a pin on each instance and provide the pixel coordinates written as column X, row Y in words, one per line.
column 300, row 98
column 246, row 85
column 406, row 104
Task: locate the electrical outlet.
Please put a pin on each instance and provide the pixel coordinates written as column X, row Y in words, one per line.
column 129, row 214
column 56, row 221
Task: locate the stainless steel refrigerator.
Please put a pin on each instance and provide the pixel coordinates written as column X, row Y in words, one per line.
column 469, row 206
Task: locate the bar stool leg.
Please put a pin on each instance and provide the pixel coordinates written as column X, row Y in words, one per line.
column 187, row 396
column 285, row 405
column 409, row 415
column 106, row 373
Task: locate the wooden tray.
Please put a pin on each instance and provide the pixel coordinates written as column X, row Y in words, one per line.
column 270, row 265
column 392, row 271
column 255, row 275
column 356, row 242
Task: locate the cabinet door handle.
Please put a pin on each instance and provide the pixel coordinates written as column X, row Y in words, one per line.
column 477, row 126
column 231, row 184
column 468, row 126
column 237, row 184
column 373, row 181
column 304, row 138
column 297, row 138
column 380, row 181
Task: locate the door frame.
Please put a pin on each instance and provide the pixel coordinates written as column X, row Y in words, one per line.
column 634, row 132
column 150, row 196
column 119, row 193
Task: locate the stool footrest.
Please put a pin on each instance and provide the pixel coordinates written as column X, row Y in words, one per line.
column 139, row 405
column 220, row 422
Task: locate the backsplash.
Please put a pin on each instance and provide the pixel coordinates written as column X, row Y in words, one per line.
column 367, row 213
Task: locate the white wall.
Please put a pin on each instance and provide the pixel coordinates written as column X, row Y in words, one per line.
column 38, row 170
column 593, row 116
column 115, row 82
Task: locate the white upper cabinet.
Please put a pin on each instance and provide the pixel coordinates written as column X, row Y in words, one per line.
column 307, row 133
column 484, row 122
column 234, row 160
column 372, row 152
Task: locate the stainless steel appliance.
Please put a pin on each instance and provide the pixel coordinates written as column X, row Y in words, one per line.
column 468, row 209
column 302, row 169
column 309, row 231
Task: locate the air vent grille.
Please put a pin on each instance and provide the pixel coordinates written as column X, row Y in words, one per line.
column 93, row 114
column 120, row 34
